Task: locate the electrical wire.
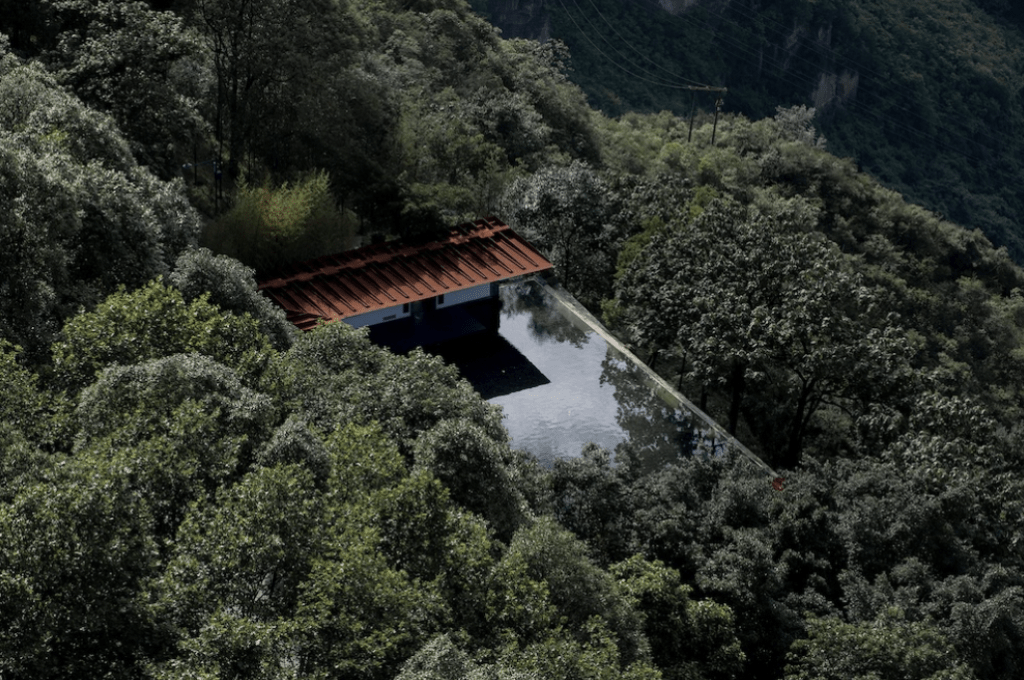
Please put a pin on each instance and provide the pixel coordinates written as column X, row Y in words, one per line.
column 797, row 82
column 859, row 68
column 800, row 83
column 642, row 54
column 651, row 77
column 647, row 76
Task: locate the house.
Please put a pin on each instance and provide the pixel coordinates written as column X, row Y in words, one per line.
column 435, row 290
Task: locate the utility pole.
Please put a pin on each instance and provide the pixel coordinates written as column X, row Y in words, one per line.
column 719, row 103
column 693, row 105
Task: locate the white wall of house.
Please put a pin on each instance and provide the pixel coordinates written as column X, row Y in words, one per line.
column 465, row 295
column 457, row 297
column 378, row 316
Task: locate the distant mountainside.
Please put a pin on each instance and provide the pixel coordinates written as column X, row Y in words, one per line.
column 924, row 95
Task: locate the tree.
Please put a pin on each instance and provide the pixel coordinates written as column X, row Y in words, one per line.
column 231, row 286
column 889, row 513
column 151, row 323
column 742, row 572
column 399, row 563
column 78, row 217
column 294, row 443
column 453, row 173
column 441, row 659
column 755, row 306
column 888, row 648
column 245, row 36
column 689, row 639
column 231, row 587
column 592, row 502
column 474, row 467
column 180, row 426
column 578, row 589
column 78, row 545
column 270, row 226
column 586, row 653
column 267, row 53
column 335, row 374
column 24, row 405
column 540, row 70
column 566, row 212
column 138, row 65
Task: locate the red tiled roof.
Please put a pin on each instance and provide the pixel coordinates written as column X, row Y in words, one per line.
column 380, row 276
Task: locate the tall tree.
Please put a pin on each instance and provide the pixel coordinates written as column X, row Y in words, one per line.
column 890, row 648
column 754, row 304
column 78, row 216
column 567, row 212
column 266, row 55
column 142, row 67
column 151, row 323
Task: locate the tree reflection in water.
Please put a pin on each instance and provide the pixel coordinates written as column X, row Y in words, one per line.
column 594, row 394
column 656, row 433
column 547, row 322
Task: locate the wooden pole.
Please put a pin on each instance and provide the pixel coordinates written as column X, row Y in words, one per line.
column 693, row 106
column 718, row 107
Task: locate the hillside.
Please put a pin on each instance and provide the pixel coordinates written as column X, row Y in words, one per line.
column 191, row 489
column 925, row 96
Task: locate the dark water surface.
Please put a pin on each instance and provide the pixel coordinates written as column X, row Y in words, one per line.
column 562, row 386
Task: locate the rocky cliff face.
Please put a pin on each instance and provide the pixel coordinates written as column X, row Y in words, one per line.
column 831, row 88
column 834, row 89
column 531, row 19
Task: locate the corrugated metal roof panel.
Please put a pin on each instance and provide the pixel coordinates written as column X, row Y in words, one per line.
column 376, row 277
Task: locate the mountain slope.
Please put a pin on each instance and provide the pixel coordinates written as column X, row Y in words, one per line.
column 926, row 96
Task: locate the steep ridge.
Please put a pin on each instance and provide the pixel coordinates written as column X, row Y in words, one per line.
column 926, row 96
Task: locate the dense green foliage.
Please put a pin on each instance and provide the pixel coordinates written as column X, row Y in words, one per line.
column 273, row 225
column 80, row 216
column 190, row 489
column 925, row 95
column 209, row 509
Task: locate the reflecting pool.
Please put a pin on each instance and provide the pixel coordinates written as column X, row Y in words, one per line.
column 593, row 395
column 562, row 384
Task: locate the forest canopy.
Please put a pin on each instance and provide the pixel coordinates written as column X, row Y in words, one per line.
column 189, row 488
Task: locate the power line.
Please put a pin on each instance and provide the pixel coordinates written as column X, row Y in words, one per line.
column 647, row 76
column 799, row 83
column 642, row 54
column 795, row 81
column 694, row 88
column 733, row 44
column 900, row 124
